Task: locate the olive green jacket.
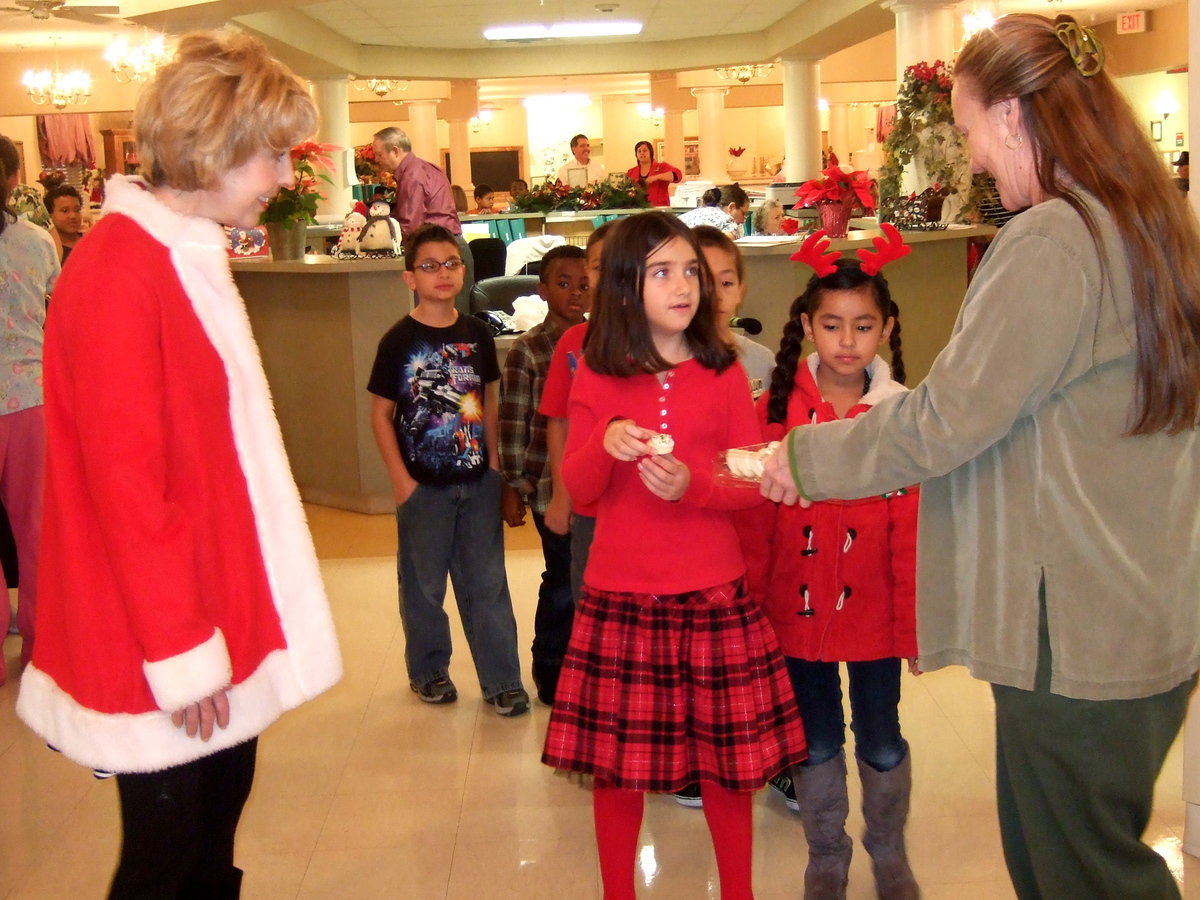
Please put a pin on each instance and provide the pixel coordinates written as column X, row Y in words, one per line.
column 1017, row 438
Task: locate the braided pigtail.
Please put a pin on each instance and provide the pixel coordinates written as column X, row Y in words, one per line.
column 894, row 345
column 787, row 360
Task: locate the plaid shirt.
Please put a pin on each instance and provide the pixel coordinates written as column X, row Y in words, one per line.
column 523, row 457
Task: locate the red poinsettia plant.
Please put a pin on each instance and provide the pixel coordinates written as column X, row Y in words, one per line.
column 736, row 151
column 838, row 187
column 298, row 203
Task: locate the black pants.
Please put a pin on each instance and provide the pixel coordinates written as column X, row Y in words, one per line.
column 555, row 608
column 178, row 827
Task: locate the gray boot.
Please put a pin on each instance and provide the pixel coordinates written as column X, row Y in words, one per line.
column 885, row 808
column 821, row 793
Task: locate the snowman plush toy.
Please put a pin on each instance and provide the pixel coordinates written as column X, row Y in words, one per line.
column 352, row 226
column 380, row 235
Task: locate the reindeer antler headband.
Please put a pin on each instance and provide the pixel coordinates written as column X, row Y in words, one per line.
column 815, row 252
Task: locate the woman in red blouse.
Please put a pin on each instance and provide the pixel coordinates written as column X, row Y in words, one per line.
column 653, row 176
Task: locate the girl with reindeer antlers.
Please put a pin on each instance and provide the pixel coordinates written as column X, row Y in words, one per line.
column 837, row 579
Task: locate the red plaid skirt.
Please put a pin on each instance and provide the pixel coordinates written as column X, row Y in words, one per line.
column 660, row 691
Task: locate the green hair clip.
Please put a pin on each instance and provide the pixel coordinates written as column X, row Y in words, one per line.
column 1085, row 48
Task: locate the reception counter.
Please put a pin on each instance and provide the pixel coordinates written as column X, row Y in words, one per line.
column 318, row 323
column 928, row 285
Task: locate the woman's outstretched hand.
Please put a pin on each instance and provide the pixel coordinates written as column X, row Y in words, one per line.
column 777, row 483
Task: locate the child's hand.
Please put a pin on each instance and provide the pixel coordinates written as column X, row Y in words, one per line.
column 512, row 507
column 558, row 513
column 914, row 665
column 402, row 490
column 626, row 440
column 665, row 476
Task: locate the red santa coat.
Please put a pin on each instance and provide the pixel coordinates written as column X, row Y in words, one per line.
column 837, row 580
column 178, row 559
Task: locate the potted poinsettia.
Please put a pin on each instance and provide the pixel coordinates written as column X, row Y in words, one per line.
column 835, row 194
column 293, row 208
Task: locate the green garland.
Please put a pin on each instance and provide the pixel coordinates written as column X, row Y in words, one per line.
column 554, row 197
column 924, row 127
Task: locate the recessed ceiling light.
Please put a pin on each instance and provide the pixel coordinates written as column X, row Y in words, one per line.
column 562, row 30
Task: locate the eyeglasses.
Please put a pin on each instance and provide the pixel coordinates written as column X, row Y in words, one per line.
column 450, row 265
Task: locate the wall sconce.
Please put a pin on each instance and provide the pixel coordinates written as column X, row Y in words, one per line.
column 482, row 119
column 1166, row 104
column 654, row 114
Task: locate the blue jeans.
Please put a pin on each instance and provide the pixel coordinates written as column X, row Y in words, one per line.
column 874, row 702
column 555, row 608
column 456, row 529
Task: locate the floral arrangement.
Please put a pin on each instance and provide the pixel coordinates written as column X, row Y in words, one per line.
column 736, row 151
column 837, row 186
column 924, row 130
column 553, row 196
column 365, row 164
column 299, row 202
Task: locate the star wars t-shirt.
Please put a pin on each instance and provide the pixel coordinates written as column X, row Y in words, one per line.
column 436, row 378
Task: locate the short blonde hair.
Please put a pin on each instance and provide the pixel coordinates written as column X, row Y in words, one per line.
column 222, row 99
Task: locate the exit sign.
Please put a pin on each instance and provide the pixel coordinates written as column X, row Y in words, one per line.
column 1131, row 22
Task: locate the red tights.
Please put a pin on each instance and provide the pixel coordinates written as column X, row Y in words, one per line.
column 618, row 816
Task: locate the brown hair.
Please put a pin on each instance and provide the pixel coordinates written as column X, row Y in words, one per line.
column 1086, row 139
column 710, row 236
column 422, row 235
column 618, row 340
column 222, row 99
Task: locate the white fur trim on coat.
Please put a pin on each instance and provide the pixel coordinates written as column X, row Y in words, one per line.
column 311, row 663
column 203, row 670
column 882, row 383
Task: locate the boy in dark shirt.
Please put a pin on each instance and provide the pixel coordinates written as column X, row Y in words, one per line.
column 434, row 414
column 524, row 454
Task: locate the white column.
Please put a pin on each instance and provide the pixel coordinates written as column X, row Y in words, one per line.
column 839, row 132
column 334, row 106
column 673, row 138
column 422, row 130
column 924, row 32
column 460, row 156
column 710, row 106
column 801, row 119
column 1191, row 726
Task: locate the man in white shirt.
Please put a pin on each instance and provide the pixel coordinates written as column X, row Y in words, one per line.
column 580, row 170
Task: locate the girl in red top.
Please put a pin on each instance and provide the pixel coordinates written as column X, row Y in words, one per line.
column 672, row 676
column 839, row 584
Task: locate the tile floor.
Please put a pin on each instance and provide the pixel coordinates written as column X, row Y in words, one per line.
column 368, row 793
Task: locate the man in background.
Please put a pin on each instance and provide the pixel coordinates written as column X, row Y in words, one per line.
column 580, row 170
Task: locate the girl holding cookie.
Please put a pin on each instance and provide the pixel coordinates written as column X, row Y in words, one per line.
column 672, row 675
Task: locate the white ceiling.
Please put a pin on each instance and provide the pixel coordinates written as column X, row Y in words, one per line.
column 366, row 35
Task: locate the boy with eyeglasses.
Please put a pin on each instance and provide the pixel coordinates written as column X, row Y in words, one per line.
column 434, row 412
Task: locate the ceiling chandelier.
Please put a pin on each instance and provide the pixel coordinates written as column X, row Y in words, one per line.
column 381, row 87
column 743, row 74
column 59, row 89
column 137, row 63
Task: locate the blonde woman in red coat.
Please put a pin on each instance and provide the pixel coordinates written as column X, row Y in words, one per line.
column 185, row 611
column 837, row 581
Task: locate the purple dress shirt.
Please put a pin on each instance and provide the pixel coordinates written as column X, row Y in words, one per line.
column 423, row 196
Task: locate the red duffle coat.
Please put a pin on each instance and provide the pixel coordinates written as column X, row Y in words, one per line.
column 838, row 579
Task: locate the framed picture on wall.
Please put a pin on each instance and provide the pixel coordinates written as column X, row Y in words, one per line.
column 1156, row 131
column 691, row 155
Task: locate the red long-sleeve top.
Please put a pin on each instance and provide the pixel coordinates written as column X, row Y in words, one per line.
column 644, row 543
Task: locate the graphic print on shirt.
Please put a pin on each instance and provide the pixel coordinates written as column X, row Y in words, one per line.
column 442, row 416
